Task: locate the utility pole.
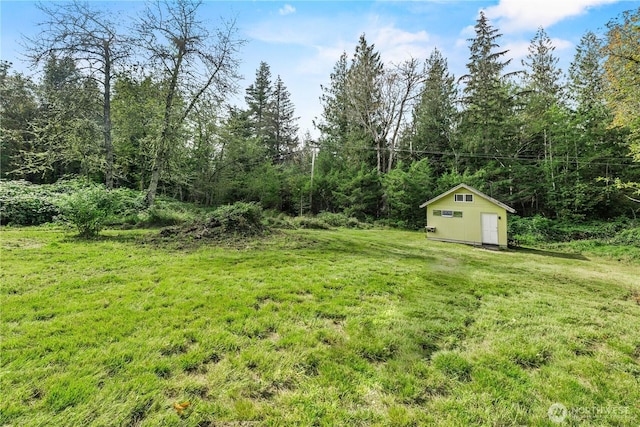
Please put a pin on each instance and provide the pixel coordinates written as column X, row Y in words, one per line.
column 313, row 167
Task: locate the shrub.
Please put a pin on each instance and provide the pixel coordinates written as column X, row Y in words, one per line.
column 274, row 219
column 339, row 220
column 87, row 210
column 536, row 229
column 333, row 219
column 126, row 203
column 163, row 216
column 629, row 237
column 240, row 217
column 311, row 223
column 22, row 203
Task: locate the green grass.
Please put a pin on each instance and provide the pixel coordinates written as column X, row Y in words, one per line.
column 341, row 327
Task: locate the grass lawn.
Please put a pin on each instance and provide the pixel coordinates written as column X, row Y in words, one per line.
column 341, row 327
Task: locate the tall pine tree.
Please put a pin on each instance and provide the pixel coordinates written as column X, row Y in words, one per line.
column 283, row 123
column 544, row 123
column 334, row 122
column 435, row 116
column 486, row 98
column 258, row 97
column 364, row 101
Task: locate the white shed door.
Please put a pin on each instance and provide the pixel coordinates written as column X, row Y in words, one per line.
column 489, row 228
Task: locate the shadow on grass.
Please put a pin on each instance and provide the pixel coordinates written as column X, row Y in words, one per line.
column 541, row 252
column 119, row 237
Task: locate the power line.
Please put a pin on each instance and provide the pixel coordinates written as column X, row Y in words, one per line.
column 602, row 161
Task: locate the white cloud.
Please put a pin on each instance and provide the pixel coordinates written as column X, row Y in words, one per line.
column 396, row 45
column 287, row 10
column 523, row 15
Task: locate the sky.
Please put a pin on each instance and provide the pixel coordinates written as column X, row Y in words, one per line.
column 302, row 40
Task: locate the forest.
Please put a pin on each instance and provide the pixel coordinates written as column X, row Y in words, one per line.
column 148, row 109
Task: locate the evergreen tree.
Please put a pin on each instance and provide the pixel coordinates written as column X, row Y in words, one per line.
column 435, row 116
column 541, row 75
column 283, row 123
column 364, row 102
column 544, row 123
column 335, row 124
column 486, row 97
column 259, row 98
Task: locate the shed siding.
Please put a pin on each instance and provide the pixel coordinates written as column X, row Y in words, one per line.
column 467, row 229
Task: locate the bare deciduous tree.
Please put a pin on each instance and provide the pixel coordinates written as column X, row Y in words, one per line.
column 192, row 61
column 86, row 34
column 401, row 89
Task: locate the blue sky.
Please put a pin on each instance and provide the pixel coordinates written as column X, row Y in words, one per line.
column 302, row 40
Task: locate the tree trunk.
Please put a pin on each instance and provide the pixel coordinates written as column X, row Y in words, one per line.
column 108, row 143
column 163, row 144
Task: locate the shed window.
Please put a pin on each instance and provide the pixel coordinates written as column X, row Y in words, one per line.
column 447, row 214
column 463, row 197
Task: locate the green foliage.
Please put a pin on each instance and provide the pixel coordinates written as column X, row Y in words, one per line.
column 322, row 221
column 406, row 190
column 539, row 230
column 275, row 219
column 311, row 223
column 239, row 218
column 166, row 212
column 88, row 210
column 18, row 106
column 360, row 194
column 630, row 237
column 436, row 115
column 532, row 230
column 22, row 203
column 339, row 220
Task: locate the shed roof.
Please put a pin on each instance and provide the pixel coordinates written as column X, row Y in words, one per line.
column 473, row 190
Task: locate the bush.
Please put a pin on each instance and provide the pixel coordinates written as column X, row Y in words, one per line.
column 629, row 237
column 240, row 217
column 20, row 205
column 162, row 215
column 311, row 223
column 126, row 205
column 24, row 203
column 275, row 219
column 333, row 219
column 87, row 210
column 537, row 230
column 339, row 220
